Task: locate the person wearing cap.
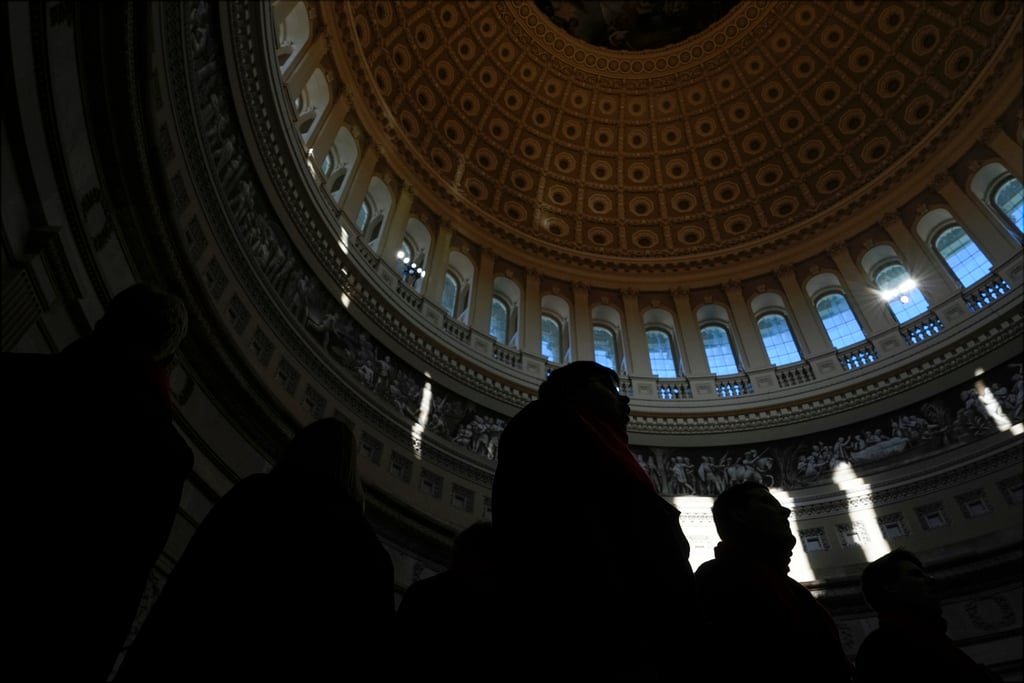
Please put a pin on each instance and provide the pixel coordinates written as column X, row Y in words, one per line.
column 97, row 477
column 593, row 565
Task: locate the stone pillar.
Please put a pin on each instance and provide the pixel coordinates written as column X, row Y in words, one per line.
column 1006, row 148
column 695, row 360
column 437, row 264
column 871, row 310
column 752, row 353
column 925, row 265
column 993, row 239
column 394, row 230
column 530, row 335
column 636, row 336
column 301, row 68
column 582, row 323
column 355, row 190
column 806, row 322
column 327, row 131
column 483, row 292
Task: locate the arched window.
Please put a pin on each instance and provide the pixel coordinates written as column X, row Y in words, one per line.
column 840, row 322
column 905, row 300
column 778, row 339
column 1008, row 198
column 499, row 320
column 363, row 216
column 450, row 294
column 962, row 255
column 721, row 358
column 659, row 348
column 605, row 351
column 550, row 339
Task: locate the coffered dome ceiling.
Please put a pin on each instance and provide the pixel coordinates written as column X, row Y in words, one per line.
column 764, row 130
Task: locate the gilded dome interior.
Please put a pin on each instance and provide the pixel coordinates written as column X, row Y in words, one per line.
column 763, row 130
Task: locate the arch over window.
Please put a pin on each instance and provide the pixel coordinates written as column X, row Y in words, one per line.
column 778, row 339
column 901, row 292
column 499, row 320
column 550, row 338
column 718, row 347
column 962, row 255
column 292, row 29
column 1008, row 198
column 840, row 323
column 450, row 294
column 605, row 349
column 661, row 353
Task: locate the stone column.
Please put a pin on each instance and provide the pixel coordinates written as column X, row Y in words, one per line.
column 695, row 360
column 1006, row 148
column 582, row 323
column 530, row 334
column 636, row 336
column 483, row 292
column 933, row 277
column 357, row 186
column 806, row 322
column 302, row 67
column 993, row 239
column 862, row 295
column 394, row 230
column 753, row 356
column 437, row 264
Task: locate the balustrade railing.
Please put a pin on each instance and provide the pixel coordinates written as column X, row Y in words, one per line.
column 985, row 293
column 922, row 328
column 858, row 356
column 793, row 375
column 674, row 390
column 730, row 387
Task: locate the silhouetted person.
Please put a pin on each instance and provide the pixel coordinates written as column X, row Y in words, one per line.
column 453, row 608
column 595, row 580
column 284, row 580
column 96, row 479
column 910, row 643
column 757, row 623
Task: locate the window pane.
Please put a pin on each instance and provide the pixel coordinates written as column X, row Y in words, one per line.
column 499, row 320
column 840, row 323
column 778, row 339
column 1009, row 197
column 893, row 278
column 364, row 215
column 449, row 294
column 963, row 256
column 659, row 347
column 327, row 165
column 721, row 358
column 550, row 339
column 604, row 348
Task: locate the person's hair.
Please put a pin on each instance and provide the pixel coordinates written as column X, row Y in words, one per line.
column 564, row 382
column 474, row 542
column 324, row 448
column 145, row 320
column 882, row 572
column 730, row 505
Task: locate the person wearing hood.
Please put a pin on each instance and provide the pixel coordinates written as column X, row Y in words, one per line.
column 756, row 622
column 910, row 643
column 592, row 559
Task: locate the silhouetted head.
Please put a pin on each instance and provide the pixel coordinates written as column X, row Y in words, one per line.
column 324, row 449
column 590, row 386
column 898, row 582
column 145, row 322
column 748, row 515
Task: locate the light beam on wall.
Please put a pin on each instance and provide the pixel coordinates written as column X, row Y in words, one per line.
column 421, row 420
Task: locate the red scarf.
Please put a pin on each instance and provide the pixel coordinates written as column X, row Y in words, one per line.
column 616, row 443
